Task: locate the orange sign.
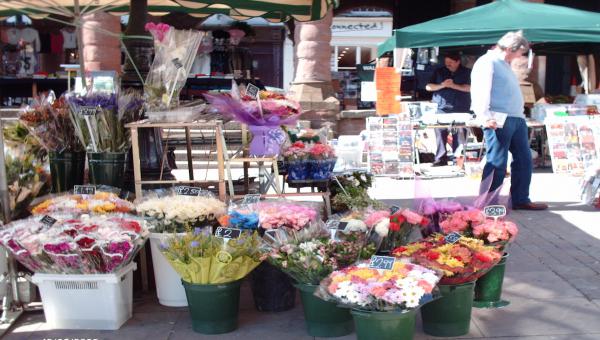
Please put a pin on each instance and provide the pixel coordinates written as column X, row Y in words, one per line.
column 387, row 85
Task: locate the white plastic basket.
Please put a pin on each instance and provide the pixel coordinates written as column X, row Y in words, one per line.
column 87, row 301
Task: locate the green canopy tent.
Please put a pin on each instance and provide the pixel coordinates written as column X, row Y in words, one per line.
column 484, row 25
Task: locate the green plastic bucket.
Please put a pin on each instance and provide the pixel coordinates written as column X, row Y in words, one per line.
column 66, row 170
column 324, row 319
column 449, row 315
column 488, row 288
column 214, row 308
column 106, row 168
column 384, row 325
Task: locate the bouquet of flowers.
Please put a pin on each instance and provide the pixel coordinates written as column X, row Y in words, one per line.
column 437, row 211
column 296, row 152
column 203, row 258
column 402, row 224
column 102, row 202
column 48, row 120
column 406, row 286
column 91, row 245
column 175, row 51
column 461, row 262
column 319, row 151
column 178, row 213
column 278, row 214
column 264, row 117
column 309, row 255
column 100, row 119
column 496, row 233
column 26, row 180
column 462, row 222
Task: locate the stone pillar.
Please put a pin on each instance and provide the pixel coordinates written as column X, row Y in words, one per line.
column 312, row 83
column 101, row 52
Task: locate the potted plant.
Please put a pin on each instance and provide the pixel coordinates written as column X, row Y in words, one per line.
column 383, row 302
column 211, row 269
column 322, row 161
column 296, row 157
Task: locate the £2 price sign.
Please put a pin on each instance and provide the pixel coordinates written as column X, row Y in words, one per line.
column 228, row 233
column 187, row 191
column 84, row 190
column 382, row 262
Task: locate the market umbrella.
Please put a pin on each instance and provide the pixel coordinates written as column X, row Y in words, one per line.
column 73, row 10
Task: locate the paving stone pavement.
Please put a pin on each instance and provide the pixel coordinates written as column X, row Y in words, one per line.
column 552, row 278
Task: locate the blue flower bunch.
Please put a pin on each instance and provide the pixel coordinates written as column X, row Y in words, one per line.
column 248, row 221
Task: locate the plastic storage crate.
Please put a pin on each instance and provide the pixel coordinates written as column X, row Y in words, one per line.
column 87, row 301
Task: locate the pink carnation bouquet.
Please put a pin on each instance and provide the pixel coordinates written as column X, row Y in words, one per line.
column 273, row 215
column 496, row 233
column 462, row 222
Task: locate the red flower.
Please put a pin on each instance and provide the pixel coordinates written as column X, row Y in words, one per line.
column 298, row 144
column 401, row 249
column 398, row 219
column 483, row 257
column 394, row 226
column 425, row 222
column 432, row 255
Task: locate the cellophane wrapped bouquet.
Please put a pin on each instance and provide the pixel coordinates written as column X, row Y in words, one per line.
column 96, row 244
column 200, row 257
column 437, row 211
column 402, row 224
column 102, row 202
column 288, row 214
column 170, row 212
column 100, row 118
column 404, row 287
column 48, row 120
column 463, row 261
column 264, row 117
column 310, row 254
column 498, row 233
column 175, row 51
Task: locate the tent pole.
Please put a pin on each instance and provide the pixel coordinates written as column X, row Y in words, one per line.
column 78, row 28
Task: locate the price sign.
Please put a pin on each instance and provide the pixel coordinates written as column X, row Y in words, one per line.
column 177, row 63
column 271, row 234
column 187, row 191
column 251, row 199
column 494, row 211
column 453, row 237
column 394, row 209
column 48, row 220
column 252, row 91
column 342, row 225
column 228, row 233
column 84, row 190
column 382, row 262
column 88, row 110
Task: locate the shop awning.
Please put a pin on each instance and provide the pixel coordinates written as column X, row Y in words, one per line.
column 272, row 10
column 484, row 25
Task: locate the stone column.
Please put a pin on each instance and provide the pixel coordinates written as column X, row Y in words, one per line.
column 312, row 83
column 101, row 51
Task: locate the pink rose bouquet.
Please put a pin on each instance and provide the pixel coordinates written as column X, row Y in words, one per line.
column 462, row 222
column 273, row 215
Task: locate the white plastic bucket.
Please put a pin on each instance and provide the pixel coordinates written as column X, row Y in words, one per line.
column 87, row 301
column 169, row 289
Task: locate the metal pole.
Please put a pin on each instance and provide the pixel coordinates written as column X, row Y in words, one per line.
column 78, row 29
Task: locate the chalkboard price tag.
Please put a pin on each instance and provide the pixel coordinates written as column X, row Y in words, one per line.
column 494, row 211
column 252, row 91
column 228, row 233
column 88, row 110
column 394, row 209
column 342, row 225
column 48, row 220
column 382, row 262
column 187, row 191
column 251, row 199
column 453, row 237
column 84, row 190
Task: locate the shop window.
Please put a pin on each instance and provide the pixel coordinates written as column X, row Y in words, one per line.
column 346, row 57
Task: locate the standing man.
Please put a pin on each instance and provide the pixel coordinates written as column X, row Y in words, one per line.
column 450, row 85
column 498, row 103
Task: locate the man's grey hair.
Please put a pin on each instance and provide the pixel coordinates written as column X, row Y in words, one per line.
column 513, row 42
